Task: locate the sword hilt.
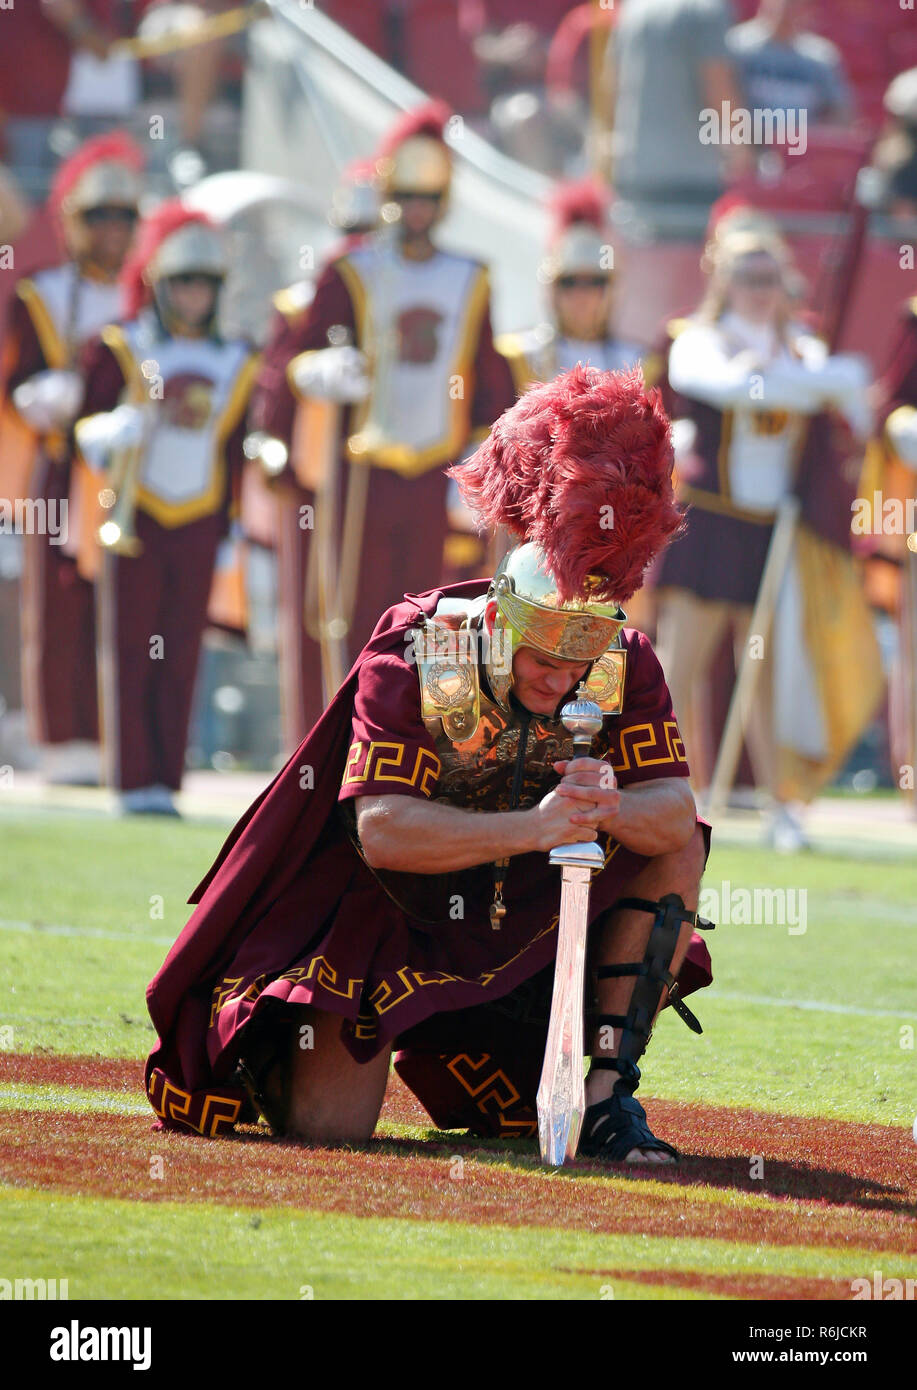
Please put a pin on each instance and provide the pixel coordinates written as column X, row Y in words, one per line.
column 582, row 718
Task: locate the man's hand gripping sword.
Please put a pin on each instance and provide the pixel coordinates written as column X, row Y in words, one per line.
column 561, row 1091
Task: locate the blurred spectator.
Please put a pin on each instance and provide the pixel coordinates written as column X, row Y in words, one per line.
column 527, row 122
column 893, row 185
column 197, row 74
column 782, row 67
column 40, row 40
column 14, row 210
column 666, row 61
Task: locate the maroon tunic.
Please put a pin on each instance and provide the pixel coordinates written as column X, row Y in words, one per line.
column 291, row 913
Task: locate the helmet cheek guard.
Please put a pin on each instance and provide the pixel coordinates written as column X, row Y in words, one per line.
column 531, row 613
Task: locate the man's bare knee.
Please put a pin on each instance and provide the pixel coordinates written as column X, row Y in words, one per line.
column 333, row 1099
column 690, row 860
column 679, row 870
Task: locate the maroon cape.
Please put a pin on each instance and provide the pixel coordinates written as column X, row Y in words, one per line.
column 265, row 928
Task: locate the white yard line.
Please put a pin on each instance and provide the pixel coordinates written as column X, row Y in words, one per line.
column 815, row 1005
column 59, row 929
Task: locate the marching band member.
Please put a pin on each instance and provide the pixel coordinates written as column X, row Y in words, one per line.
column 53, row 313
column 761, row 406
column 165, row 410
column 890, row 486
column 354, row 213
column 579, row 274
column 397, row 342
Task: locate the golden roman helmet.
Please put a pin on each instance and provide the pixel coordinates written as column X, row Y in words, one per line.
column 530, row 613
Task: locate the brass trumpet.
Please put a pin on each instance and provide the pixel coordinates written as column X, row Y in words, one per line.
column 118, row 498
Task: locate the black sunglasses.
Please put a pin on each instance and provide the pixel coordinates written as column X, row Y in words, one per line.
column 762, row 280
column 196, row 277
column 405, row 196
column 582, row 282
column 94, row 217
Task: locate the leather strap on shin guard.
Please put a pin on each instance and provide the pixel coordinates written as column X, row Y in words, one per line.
column 652, row 975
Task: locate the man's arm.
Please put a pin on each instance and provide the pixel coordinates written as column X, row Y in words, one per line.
column 75, row 21
column 414, row 836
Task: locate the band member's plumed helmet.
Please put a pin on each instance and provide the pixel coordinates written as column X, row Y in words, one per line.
column 579, row 243
column 580, row 471
column 414, row 157
column 104, row 172
column 172, row 240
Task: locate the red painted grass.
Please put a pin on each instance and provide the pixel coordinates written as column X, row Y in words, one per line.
column 110, row 1155
column 58, row 1069
column 839, row 1184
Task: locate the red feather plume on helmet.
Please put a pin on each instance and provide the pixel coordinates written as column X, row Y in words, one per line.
column 582, row 201
column 427, row 119
column 115, row 146
column 153, row 230
column 557, row 460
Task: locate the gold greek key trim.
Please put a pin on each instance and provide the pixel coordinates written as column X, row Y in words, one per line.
column 382, row 757
column 325, row 975
column 639, row 747
column 495, row 1086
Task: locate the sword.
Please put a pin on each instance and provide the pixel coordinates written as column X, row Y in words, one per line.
column 561, row 1096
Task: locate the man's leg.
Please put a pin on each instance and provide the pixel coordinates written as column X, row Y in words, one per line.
column 689, row 632
column 624, row 939
column 310, row 1088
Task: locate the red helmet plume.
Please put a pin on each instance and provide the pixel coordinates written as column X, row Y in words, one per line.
column 114, row 147
column 427, row 119
column 582, row 201
column 582, row 467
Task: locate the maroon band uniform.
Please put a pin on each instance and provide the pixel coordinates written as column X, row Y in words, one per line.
column 153, row 606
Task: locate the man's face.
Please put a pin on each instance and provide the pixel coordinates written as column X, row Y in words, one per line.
column 582, row 305
column 541, row 682
column 419, row 212
column 192, row 297
column 756, row 289
column 109, row 231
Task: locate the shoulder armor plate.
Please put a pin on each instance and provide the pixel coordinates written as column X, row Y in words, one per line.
column 447, row 668
column 605, row 682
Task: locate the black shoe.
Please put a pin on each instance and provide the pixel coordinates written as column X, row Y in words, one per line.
column 613, row 1127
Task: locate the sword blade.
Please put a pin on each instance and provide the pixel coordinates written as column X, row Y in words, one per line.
column 561, row 1098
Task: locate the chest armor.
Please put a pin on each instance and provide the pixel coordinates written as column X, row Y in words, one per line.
column 494, row 759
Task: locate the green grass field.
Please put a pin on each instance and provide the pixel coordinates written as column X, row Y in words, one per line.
column 816, row 1023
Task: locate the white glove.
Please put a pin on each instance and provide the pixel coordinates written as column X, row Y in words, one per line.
column 332, row 374
column 901, row 428
column 684, row 438
column 98, row 436
column 49, row 400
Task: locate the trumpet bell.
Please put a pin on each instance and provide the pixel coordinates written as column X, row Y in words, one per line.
column 112, row 538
